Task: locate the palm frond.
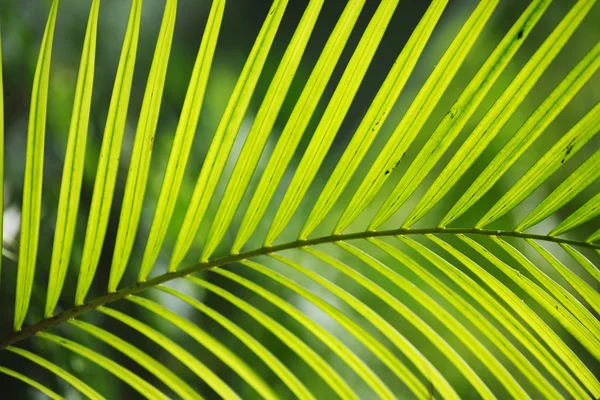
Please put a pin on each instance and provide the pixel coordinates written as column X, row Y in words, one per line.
column 404, row 312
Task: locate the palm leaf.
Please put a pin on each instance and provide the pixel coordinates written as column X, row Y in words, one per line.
column 395, row 313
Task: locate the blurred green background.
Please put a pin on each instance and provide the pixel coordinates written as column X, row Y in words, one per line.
column 22, row 25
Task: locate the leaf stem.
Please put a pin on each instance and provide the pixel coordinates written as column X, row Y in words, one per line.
column 138, row 287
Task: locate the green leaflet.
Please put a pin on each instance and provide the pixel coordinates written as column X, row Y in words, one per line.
column 332, row 118
column 415, row 356
column 297, row 123
column 535, row 125
column 139, row 167
column 589, row 294
column 583, row 214
column 596, row 235
column 82, row 387
column 182, row 142
column 583, row 261
column 500, row 112
column 502, row 315
column 211, row 344
column 460, row 113
column 375, row 117
column 137, row 383
column 561, row 152
column 32, row 181
column 535, row 322
column 557, row 301
column 585, row 175
column 470, row 312
column 417, row 114
column 436, row 310
column 31, row 382
column 292, row 382
column 313, row 359
column 225, row 135
column 108, row 162
column 261, row 129
column 163, row 373
column 346, row 354
column 70, row 188
column 195, row 365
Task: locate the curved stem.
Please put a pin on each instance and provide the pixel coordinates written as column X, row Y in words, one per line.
column 137, row 287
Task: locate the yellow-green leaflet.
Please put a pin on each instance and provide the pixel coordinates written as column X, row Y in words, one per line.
column 261, row 129
column 586, row 292
column 386, row 357
column 460, row 113
column 345, row 353
column 297, row 123
column 561, row 305
column 583, row 261
column 288, row 377
column 537, row 325
column 375, row 117
column 332, row 118
column 140, row 385
column 31, row 382
column 535, row 125
column 497, row 116
column 195, row 365
column 70, row 188
column 312, row 359
column 137, row 178
column 471, row 313
column 418, row 112
column 225, row 135
column 436, row 310
column 561, row 152
column 211, row 344
column 108, row 162
column 81, row 386
column 32, row 181
column 157, row 369
column 402, row 344
column 182, row 142
column 583, row 214
column 585, row 175
column 502, row 315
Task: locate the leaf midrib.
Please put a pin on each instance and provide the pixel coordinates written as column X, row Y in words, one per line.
column 139, row 286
